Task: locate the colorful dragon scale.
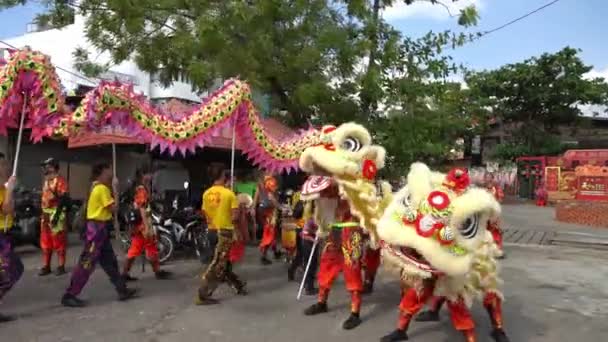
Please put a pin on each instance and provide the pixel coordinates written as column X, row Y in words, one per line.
column 115, row 104
column 437, row 227
column 28, row 73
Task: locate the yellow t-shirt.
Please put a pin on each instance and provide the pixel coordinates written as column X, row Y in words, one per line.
column 99, row 202
column 6, row 221
column 218, row 203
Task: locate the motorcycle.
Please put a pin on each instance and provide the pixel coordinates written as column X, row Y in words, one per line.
column 26, row 229
column 187, row 230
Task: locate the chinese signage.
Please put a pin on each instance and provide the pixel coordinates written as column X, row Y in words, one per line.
column 592, row 188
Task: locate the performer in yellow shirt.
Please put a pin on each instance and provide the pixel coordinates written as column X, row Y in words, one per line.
column 97, row 246
column 220, row 207
column 11, row 267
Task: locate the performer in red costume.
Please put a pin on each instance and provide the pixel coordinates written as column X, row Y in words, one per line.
column 55, row 202
column 142, row 236
column 267, row 204
column 413, row 300
column 491, row 302
column 342, row 253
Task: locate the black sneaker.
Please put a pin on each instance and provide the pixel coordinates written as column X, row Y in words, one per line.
column 312, row 291
column 428, row 316
column 162, row 275
column 60, row 271
column 72, row 301
column 499, row 335
column 395, row 336
column 44, row 271
column 5, row 319
column 127, row 278
column 242, row 291
column 277, row 255
column 127, row 294
column 265, row 261
column 352, row 322
column 315, row 309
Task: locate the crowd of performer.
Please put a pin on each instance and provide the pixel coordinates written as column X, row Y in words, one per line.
column 229, row 216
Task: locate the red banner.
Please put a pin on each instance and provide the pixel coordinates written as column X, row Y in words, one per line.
column 592, row 188
column 552, row 178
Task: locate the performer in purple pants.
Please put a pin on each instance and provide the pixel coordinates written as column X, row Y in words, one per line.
column 11, row 267
column 97, row 246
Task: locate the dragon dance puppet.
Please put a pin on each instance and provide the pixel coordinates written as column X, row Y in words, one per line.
column 434, row 236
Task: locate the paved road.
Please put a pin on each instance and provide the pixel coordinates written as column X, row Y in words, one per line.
column 552, row 294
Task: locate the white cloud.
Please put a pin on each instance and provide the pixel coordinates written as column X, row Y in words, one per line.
column 592, row 110
column 425, row 9
column 598, row 73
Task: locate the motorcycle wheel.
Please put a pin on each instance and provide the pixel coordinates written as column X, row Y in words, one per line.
column 165, row 247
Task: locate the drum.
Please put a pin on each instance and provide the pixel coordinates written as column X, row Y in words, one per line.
column 288, row 236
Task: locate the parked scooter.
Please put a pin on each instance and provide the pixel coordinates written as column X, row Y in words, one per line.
column 187, row 230
column 26, row 229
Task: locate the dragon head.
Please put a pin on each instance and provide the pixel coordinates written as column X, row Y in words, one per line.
column 346, row 152
column 436, row 224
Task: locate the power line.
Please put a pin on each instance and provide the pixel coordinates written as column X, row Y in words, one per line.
column 509, row 23
column 57, row 67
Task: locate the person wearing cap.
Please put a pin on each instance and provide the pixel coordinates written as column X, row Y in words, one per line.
column 55, row 204
column 342, row 253
column 143, row 236
column 11, row 267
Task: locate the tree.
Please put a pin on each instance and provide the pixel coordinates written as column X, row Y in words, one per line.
column 324, row 61
column 305, row 54
column 535, row 97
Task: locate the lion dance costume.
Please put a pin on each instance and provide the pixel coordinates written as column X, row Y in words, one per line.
column 435, row 236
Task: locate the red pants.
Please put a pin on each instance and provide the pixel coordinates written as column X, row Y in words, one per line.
column 371, row 263
column 412, row 302
column 342, row 255
column 269, row 235
column 494, row 228
column 139, row 243
column 50, row 242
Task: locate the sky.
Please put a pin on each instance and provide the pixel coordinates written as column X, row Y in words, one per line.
column 580, row 24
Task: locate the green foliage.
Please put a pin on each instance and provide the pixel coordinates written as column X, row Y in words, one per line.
column 538, row 95
column 319, row 61
column 83, row 63
column 508, row 152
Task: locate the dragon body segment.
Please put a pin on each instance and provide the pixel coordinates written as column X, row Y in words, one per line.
column 30, row 73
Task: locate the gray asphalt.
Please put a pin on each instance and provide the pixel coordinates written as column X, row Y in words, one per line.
column 552, row 294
